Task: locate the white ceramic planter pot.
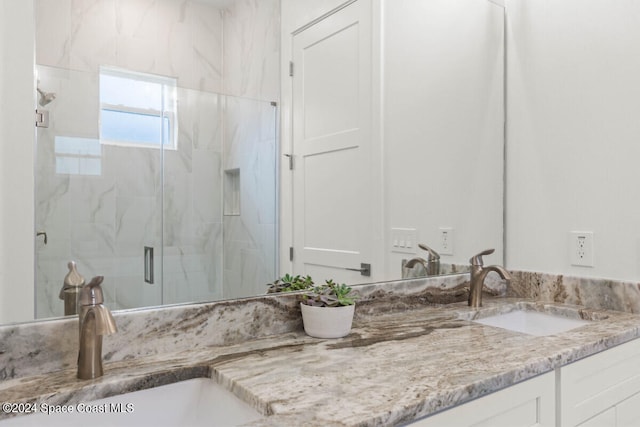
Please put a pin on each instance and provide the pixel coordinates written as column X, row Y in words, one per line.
column 327, row 322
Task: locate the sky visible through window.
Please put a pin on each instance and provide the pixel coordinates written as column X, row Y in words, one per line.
column 132, row 127
column 137, row 109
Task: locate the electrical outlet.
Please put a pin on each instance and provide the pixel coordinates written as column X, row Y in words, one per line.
column 446, row 241
column 581, row 247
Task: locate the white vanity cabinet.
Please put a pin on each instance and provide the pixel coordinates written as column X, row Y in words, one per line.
column 603, row 389
column 529, row 403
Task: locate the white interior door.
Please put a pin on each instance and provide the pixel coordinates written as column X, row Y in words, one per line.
column 333, row 185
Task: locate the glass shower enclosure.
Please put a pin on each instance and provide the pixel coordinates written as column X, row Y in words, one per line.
column 167, row 191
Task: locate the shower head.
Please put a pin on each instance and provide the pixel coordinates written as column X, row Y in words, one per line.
column 45, row 97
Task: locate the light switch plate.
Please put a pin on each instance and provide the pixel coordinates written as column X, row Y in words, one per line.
column 404, row 240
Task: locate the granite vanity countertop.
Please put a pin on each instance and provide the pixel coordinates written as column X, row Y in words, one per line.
column 391, row 369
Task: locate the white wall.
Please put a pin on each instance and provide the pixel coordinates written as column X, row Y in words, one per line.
column 573, row 134
column 443, row 124
column 16, row 160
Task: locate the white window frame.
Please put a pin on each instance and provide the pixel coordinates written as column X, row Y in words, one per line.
column 170, row 104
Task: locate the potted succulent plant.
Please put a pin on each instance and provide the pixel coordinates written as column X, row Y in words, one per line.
column 327, row 310
column 288, row 283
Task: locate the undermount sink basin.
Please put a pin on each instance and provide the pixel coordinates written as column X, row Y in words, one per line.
column 533, row 323
column 532, row 319
column 195, row 402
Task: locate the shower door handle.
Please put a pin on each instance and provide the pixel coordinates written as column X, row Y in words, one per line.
column 148, row 264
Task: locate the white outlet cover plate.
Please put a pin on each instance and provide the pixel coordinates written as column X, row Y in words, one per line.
column 581, row 248
column 448, row 248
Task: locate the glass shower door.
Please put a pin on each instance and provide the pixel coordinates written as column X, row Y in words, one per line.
column 100, row 204
column 250, row 196
column 190, row 219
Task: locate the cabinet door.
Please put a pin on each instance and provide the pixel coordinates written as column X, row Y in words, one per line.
column 605, row 419
column 530, row 403
column 628, row 412
column 593, row 385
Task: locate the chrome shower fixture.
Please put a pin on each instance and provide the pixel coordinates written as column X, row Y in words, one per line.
column 45, row 97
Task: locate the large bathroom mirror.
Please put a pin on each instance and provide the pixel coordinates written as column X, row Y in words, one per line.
column 189, row 208
column 157, row 167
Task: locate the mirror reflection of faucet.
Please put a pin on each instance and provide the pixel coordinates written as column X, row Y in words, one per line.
column 430, row 266
column 95, row 321
column 479, row 273
column 71, row 285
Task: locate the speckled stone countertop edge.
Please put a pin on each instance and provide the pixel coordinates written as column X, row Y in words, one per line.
column 612, row 328
column 62, row 387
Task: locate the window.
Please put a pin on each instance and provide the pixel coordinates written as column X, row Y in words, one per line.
column 78, row 156
column 137, row 109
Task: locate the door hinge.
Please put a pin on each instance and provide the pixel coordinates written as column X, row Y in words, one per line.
column 42, row 118
column 290, row 253
column 290, row 68
column 290, row 157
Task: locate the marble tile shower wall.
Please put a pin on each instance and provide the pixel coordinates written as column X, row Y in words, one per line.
column 180, row 38
column 249, row 238
column 192, row 256
column 252, row 49
column 103, row 221
column 251, row 74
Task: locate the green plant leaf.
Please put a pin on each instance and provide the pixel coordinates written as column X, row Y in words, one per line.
column 329, row 294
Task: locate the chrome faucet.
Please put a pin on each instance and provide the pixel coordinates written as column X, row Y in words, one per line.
column 478, row 274
column 433, row 260
column 431, row 265
column 71, row 287
column 95, row 321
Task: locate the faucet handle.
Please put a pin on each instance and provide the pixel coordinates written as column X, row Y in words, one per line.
column 433, row 255
column 477, row 259
column 91, row 293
